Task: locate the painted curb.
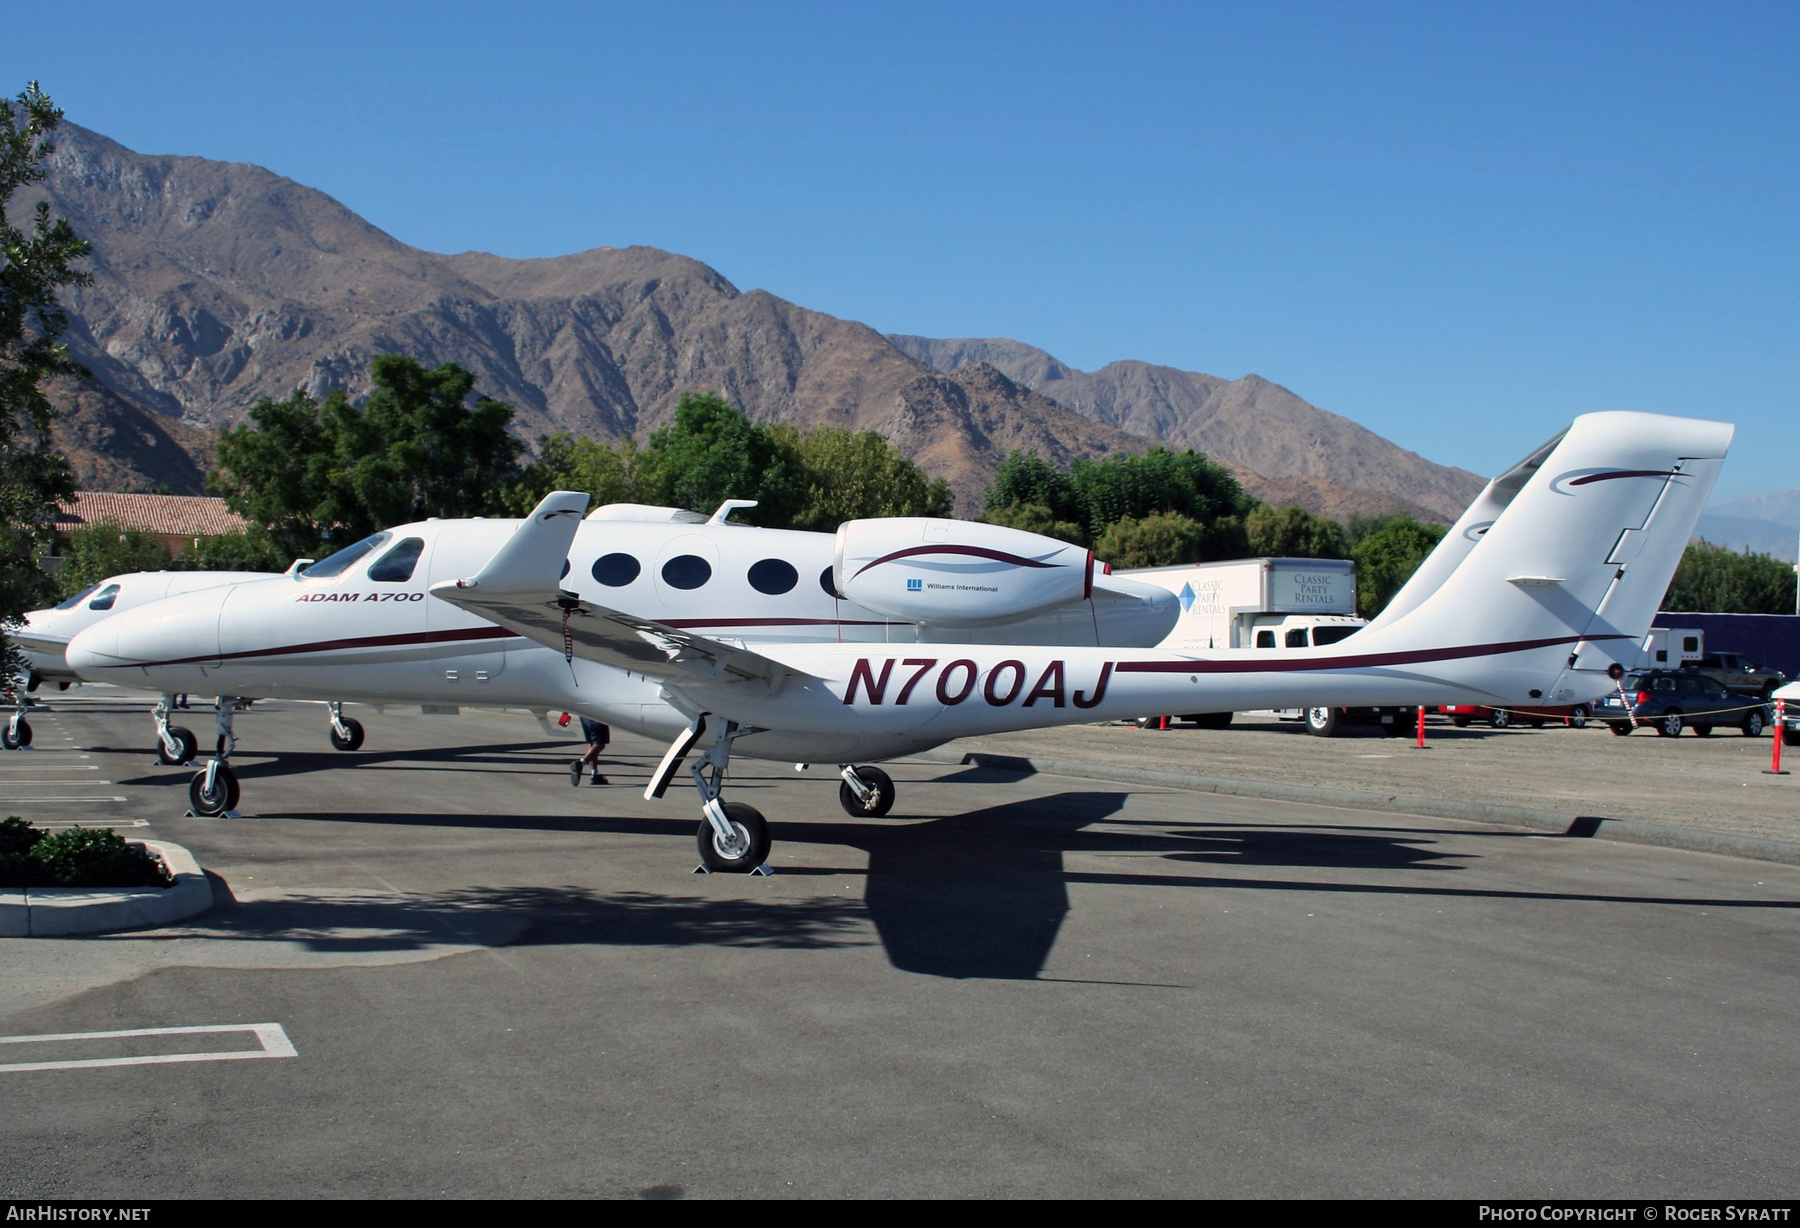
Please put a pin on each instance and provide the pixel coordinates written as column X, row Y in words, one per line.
column 1625, row 831
column 52, row 911
column 15, row 918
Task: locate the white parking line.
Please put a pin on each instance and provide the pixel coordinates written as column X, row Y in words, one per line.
column 35, row 800
column 274, row 1039
column 71, row 768
column 79, row 823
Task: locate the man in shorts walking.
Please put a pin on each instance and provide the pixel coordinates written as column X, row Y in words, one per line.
column 598, row 736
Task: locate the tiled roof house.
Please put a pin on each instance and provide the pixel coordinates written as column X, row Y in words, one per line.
column 176, row 519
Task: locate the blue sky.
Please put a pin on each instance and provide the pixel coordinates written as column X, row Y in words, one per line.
column 1458, row 224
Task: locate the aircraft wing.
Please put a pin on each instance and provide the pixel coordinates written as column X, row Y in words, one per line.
column 38, row 641
column 519, row 589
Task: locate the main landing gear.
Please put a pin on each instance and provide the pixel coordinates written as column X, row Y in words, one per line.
column 346, row 732
column 867, row 792
column 174, row 745
column 733, row 838
column 214, row 790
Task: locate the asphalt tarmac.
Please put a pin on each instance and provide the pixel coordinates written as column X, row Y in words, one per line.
column 495, row 984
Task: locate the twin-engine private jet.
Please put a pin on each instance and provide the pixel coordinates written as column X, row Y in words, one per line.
column 44, row 635
column 360, row 627
column 1540, row 593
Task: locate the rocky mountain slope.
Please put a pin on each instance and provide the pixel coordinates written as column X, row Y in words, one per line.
column 218, row 284
column 1248, row 422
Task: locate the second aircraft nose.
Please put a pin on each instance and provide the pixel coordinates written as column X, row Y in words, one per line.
column 167, row 643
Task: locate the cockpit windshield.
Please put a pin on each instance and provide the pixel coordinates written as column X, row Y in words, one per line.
column 77, row 599
column 396, row 566
column 346, row 558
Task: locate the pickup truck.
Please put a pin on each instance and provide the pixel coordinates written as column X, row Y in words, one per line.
column 1739, row 674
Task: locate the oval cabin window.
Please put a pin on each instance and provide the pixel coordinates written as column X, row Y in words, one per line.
column 616, row 570
column 774, row 577
column 686, row 571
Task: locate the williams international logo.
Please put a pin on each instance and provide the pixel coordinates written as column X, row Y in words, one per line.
column 915, row 586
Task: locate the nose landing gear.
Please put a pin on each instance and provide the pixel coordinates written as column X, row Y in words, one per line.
column 17, row 733
column 733, row 838
column 214, row 790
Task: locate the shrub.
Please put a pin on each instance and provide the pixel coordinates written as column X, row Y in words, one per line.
column 78, row 857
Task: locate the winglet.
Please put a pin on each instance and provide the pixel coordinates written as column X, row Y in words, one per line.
column 532, row 559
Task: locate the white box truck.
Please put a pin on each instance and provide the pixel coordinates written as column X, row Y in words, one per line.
column 1258, row 603
column 1269, row 603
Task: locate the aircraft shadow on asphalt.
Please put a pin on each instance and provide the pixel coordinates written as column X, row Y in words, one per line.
column 976, row 895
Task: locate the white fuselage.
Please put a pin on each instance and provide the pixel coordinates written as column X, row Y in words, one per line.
column 361, row 639
column 113, row 595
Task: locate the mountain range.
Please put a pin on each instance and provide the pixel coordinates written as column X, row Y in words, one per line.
column 218, row 284
column 1768, row 524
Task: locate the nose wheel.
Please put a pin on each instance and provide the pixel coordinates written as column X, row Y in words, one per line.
column 214, row 789
column 733, row 838
column 16, row 735
column 747, row 847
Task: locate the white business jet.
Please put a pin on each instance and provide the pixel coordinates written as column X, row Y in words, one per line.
column 44, row 635
column 359, row 626
column 1540, row 593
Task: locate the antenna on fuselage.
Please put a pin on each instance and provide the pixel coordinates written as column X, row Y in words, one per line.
column 728, row 507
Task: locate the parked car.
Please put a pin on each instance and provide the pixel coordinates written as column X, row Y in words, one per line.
column 1537, row 716
column 1738, row 673
column 1790, row 720
column 1669, row 699
column 1395, row 721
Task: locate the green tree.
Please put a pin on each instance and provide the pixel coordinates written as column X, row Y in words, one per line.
column 105, row 549
column 609, row 473
column 1097, row 494
column 712, row 452
column 855, row 475
column 1161, row 539
column 37, row 259
column 252, row 550
column 1718, row 580
column 305, row 470
column 1386, row 558
column 1036, row 518
column 1295, row 533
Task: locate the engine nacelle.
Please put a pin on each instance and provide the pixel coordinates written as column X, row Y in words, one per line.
column 953, row 573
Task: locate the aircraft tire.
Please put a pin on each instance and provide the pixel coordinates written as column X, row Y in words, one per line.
column 18, row 740
column 1620, row 728
column 354, row 741
column 880, row 781
column 1321, row 722
column 1703, row 731
column 190, row 746
column 1461, row 722
column 751, row 825
column 1211, row 720
column 224, row 795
